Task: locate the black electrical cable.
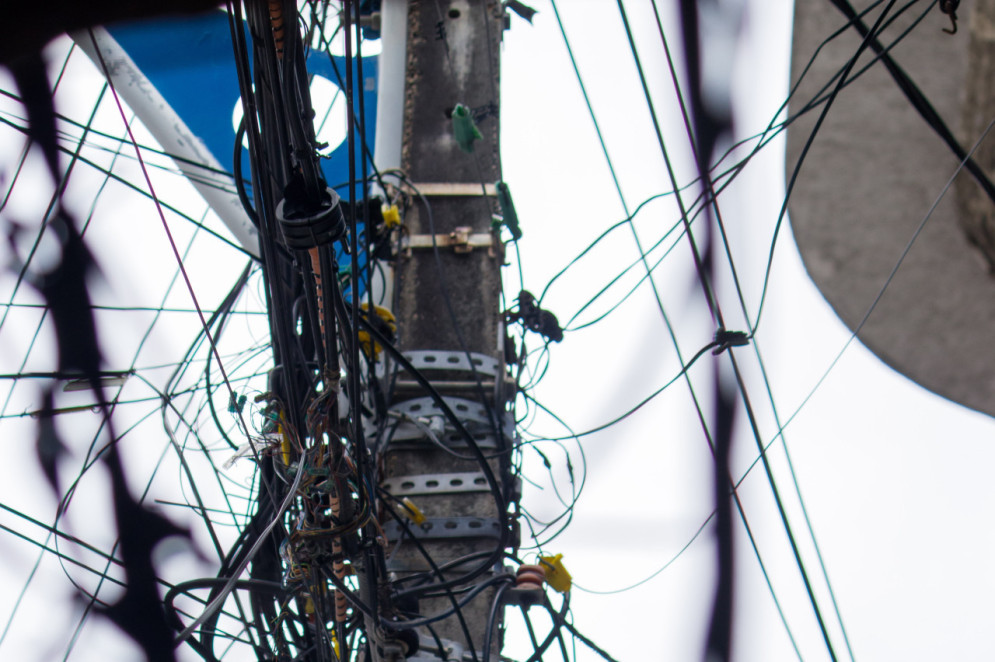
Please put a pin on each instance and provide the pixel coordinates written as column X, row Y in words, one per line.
column 439, row 647
column 497, row 602
column 575, row 632
column 448, row 565
column 243, row 197
column 467, row 598
column 374, row 565
column 365, row 163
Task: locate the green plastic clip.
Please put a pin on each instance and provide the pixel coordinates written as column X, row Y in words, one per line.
column 236, row 404
column 508, row 211
column 465, row 131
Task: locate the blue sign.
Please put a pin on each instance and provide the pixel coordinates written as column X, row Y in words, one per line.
column 191, row 63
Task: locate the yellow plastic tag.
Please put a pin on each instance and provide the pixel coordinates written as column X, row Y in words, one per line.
column 556, row 575
column 391, row 216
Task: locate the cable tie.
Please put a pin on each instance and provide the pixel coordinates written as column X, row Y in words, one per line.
column 725, row 339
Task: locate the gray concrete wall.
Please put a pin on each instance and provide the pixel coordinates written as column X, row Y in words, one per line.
column 872, row 174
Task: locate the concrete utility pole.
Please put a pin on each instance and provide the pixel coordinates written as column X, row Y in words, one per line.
column 976, row 213
column 449, row 319
column 873, row 173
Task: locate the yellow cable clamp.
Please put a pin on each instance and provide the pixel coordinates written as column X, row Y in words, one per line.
column 413, row 511
column 391, row 216
column 387, row 322
column 556, row 574
column 284, row 444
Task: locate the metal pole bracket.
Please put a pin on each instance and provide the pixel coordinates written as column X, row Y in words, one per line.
column 461, row 240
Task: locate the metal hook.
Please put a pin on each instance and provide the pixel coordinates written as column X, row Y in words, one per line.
column 953, row 22
column 949, row 7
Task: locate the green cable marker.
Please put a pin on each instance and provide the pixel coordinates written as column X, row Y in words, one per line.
column 465, row 131
column 236, row 403
column 508, row 211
